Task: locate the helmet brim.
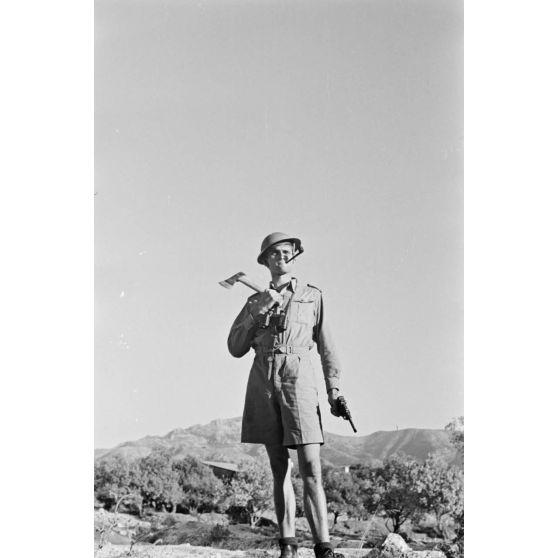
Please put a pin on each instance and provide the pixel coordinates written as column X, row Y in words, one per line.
column 293, row 240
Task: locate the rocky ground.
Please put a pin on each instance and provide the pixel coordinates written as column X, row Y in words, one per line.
column 178, row 536
column 393, row 547
column 188, row 551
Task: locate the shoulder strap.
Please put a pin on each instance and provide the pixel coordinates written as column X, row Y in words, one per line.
column 314, row 287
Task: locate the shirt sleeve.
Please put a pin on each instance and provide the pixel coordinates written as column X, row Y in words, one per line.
column 324, row 341
column 242, row 332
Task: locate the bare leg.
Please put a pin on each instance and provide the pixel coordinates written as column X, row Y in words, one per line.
column 283, row 493
column 315, row 505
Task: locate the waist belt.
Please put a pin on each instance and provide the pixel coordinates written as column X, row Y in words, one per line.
column 283, row 349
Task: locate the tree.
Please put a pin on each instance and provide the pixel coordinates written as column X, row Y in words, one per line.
column 440, row 486
column 159, row 482
column 456, row 428
column 252, row 489
column 342, row 493
column 397, row 493
column 117, row 481
column 366, row 480
column 201, row 489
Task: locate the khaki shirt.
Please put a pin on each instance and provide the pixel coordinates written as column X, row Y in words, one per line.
column 306, row 326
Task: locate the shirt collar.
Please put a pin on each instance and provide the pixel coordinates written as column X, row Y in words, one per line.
column 291, row 285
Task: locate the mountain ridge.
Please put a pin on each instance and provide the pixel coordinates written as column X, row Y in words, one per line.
column 219, row 440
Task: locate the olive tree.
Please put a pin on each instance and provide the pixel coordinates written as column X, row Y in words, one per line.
column 159, row 481
column 342, row 493
column 252, row 489
column 201, row 489
column 456, row 428
column 395, row 485
column 117, row 481
column 440, row 488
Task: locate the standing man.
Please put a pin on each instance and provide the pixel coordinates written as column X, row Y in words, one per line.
column 281, row 408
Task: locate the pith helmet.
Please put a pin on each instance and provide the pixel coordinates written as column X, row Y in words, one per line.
column 277, row 238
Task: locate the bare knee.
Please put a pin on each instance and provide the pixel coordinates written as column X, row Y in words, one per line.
column 311, row 473
column 279, row 462
column 280, row 469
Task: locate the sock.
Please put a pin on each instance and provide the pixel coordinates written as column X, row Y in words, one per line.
column 288, row 540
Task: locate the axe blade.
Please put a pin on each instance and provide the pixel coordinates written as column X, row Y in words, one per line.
column 229, row 283
column 240, row 277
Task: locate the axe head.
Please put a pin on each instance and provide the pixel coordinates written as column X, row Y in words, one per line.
column 229, row 283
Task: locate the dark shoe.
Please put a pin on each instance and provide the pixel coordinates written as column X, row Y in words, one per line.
column 289, row 548
column 325, row 550
column 328, row 553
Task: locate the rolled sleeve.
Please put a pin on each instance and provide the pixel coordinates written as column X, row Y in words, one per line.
column 242, row 333
column 324, row 341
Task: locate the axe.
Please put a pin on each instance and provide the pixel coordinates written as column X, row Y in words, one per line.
column 240, row 277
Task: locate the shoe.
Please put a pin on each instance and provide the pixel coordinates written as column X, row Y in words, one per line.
column 326, row 552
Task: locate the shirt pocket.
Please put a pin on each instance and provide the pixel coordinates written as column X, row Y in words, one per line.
column 303, row 311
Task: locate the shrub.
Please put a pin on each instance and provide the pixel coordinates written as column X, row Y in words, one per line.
column 218, row 534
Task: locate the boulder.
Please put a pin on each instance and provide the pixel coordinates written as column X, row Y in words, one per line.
column 394, row 547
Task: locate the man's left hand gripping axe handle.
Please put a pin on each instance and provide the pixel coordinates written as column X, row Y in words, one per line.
column 240, row 277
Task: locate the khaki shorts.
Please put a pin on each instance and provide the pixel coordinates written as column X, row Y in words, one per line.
column 281, row 405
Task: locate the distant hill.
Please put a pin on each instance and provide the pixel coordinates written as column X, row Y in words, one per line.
column 374, row 448
column 219, row 441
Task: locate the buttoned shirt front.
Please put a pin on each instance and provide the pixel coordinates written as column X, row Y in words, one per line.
column 281, row 404
column 306, row 325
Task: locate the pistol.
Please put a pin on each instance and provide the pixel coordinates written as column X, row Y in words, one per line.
column 343, row 410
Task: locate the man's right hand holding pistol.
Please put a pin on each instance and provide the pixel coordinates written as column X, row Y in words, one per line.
column 339, row 407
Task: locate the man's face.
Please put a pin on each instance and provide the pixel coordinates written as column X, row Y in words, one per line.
column 277, row 256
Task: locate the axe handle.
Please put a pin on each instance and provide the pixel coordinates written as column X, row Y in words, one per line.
column 249, row 283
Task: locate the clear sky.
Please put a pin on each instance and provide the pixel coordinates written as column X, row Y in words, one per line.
column 219, row 122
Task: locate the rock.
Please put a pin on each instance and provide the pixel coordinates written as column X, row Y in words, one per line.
column 425, row 554
column 394, row 547
column 301, row 524
column 354, row 543
column 349, row 552
column 268, row 517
